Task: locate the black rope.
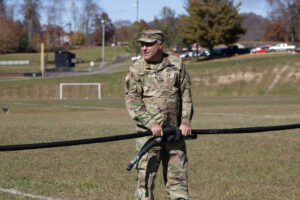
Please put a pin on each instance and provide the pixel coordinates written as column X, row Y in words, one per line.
column 246, row 130
column 18, row 147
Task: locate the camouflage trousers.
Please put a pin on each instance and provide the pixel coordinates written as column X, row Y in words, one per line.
column 174, row 163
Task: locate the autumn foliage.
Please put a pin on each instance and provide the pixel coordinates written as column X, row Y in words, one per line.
column 9, row 35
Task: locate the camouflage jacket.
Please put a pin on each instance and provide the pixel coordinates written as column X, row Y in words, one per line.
column 159, row 93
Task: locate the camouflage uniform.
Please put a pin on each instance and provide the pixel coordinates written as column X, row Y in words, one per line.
column 160, row 94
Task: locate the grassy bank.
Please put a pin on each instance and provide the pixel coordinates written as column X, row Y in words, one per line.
column 247, row 75
column 84, row 54
column 238, row 76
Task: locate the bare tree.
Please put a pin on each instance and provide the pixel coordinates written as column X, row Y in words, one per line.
column 32, row 24
column 167, row 22
column 90, row 9
column 109, row 29
column 288, row 12
column 74, row 15
column 55, row 20
column 2, row 10
column 122, row 30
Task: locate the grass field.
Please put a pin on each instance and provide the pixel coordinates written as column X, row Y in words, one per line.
column 239, row 166
column 227, row 93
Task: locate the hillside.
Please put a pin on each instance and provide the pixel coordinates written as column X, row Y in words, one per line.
column 255, row 25
column 250, row 75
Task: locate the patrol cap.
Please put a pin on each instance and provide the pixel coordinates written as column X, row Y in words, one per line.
column 150, row 36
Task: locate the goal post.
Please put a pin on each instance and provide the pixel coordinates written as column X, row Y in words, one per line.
column 78, row 84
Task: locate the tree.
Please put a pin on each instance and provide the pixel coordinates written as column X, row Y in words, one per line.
column 212, row 22
column 54, row 17
column 9, row 33
column 274, row 31
column 109, row 29
column 31, row 22
column 167, row 23
column 79, row 38
column 2, row 10
column 90, row 9
column 74, row 17
column 122, row 32
column 53, row 34
column 287, row 12
column 134, row 33
column 23, row 43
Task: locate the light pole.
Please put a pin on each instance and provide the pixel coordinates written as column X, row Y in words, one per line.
column 137, row 10
column 103, row 40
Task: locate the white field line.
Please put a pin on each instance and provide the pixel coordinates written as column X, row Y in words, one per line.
column 248, row 115
column 67, row 106
column 27, row 104
column 16, row 192
column 214, row 114
column 90, row 107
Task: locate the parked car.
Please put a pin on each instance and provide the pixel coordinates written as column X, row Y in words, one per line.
column 216, row 52
column 234, row 50
column 262, row 49
column 282, row 47
column 255, row 50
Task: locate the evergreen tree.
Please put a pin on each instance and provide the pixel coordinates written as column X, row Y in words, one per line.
column 212, row 22
column 134, row 31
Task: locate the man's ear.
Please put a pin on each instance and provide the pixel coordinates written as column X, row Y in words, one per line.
column 161, row 45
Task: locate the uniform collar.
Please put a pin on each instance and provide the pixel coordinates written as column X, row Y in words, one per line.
column 158, row 66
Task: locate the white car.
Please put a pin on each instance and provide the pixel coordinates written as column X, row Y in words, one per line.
column 282, row 47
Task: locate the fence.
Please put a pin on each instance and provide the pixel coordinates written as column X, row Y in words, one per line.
column 14, row 62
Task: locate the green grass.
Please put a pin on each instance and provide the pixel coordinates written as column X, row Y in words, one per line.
column 239, row 166
column 249, row 76
column 85, row 54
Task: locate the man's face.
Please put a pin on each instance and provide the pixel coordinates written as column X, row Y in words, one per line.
column 152, row 51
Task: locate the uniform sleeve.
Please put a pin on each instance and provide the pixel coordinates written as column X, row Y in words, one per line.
column 134, row 102
column 187, row 109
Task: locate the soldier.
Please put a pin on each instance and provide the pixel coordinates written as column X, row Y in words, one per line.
column 157, row 95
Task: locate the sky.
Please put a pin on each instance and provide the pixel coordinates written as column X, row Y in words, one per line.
column 148, row 9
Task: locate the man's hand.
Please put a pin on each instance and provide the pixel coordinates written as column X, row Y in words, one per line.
column 185, row 130
column 157, row 131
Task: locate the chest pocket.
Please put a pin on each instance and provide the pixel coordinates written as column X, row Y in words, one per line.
column 171, row 80
column 160, row 83
column 149, row 84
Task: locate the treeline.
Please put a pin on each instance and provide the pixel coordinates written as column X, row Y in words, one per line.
column 281, row 24
column 83, row 27
column 208, row 23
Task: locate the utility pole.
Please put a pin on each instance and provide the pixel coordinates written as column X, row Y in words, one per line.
column 42, row 60
column 115, row 46
column 103, row 40
column 137, row 10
